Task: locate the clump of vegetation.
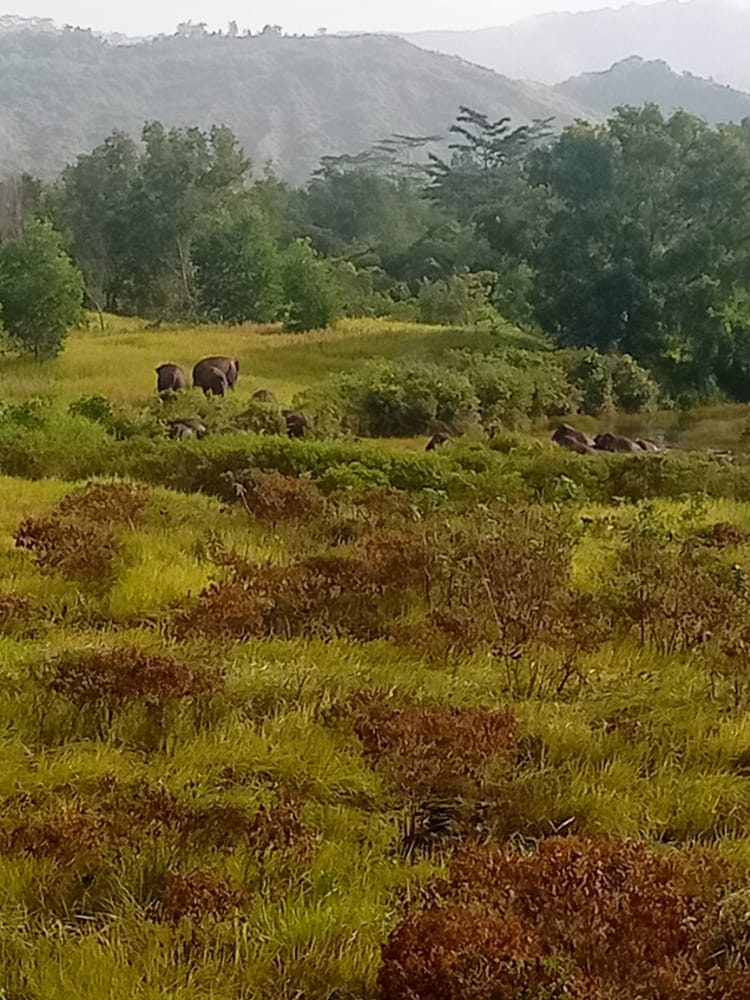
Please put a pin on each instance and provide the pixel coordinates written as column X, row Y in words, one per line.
column 80, row 537
column 113, row 678
column 432, row 751
column 200, row 894
column 578, row 917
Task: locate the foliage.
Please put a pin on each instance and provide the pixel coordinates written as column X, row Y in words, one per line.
column 238, row 274
column 41, row 291
column 310, row 291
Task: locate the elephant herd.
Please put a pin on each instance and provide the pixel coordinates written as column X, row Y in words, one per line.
column 216, row 375
column 568, row 437
column 213, row 375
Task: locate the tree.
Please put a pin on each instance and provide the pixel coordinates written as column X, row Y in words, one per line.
column 41, row 292
column 238, row 269
column 93, row 207
column 648, row 248
column 310, row 290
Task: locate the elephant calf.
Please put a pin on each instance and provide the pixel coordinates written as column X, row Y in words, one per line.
column 264, row 396
column 296, row 423
column 437, row 441
column 170, row 378
column 188, row 428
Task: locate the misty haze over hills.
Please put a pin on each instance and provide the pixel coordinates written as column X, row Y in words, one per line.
column 707, row 37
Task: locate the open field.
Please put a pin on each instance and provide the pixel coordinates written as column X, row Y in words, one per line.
column 352, row 723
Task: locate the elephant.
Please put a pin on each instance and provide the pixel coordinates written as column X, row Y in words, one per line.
column 170, row 378
column 647, row 445
column 264, row 396
column 210, row 379
column 296, row 423
column 186, row 428
column 567, row 437
column 573, row 443
column 437, row 441
column 229, row 366
column 615, row 443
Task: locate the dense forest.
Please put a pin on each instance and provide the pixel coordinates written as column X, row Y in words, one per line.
column 628, row 237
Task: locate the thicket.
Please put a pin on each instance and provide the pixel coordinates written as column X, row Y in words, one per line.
column 469, row 390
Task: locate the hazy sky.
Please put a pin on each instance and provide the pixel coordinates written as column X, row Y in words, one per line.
column 153, row 16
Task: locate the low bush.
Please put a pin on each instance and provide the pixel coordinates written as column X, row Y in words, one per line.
column 79, row 537
column 433, row 751
column 609, row 918
column 112, row 678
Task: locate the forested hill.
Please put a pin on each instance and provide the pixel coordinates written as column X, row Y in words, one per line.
column 289, row 100
column 635, row 81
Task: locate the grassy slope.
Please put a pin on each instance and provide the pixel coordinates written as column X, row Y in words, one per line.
column 119, row 363
column 313, row 927
column 674, row 776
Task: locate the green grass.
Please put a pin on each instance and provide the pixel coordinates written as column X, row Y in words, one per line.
column 312, row 924
column 120, row 362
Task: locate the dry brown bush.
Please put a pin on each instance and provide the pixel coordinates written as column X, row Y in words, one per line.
column 200, row 894
column 625, row 919
column 79, row 538
column 116, row 677
column 433, row 750
column 458, row 953
column 345, row 594
column 273, row 498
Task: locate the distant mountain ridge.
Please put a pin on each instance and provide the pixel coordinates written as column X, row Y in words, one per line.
column 637, row 81
column 706, row 37
column 290, row 100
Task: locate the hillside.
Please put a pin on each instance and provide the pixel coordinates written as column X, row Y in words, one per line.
column 706, row 37
column 290, row 100
column 635, row 81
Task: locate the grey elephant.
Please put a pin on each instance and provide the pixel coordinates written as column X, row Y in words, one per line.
column 170, row 378
column 568, row 437
column 296, row 423
column 573, row 443
column 437, row 441
column 186, row 428
column 229, row 366
column 264, row 396
column 647, row 445
column 615, row 443
column 210, row 379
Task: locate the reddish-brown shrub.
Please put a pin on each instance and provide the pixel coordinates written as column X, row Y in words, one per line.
column 79, row 537
column 458, row 953
column 78, row 836
column 200, row 894
column 118, row 676
column 621, row 910
column 433, row 750
column 615, row 919
column 272, row 497
column 344, row 594
column 17, row 614
column 724, row 535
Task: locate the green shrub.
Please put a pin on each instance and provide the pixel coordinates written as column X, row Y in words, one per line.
column 635, row 391
column 460, row 300
column 312, row 295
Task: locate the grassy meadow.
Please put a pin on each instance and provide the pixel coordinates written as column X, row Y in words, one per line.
column 271, row 733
